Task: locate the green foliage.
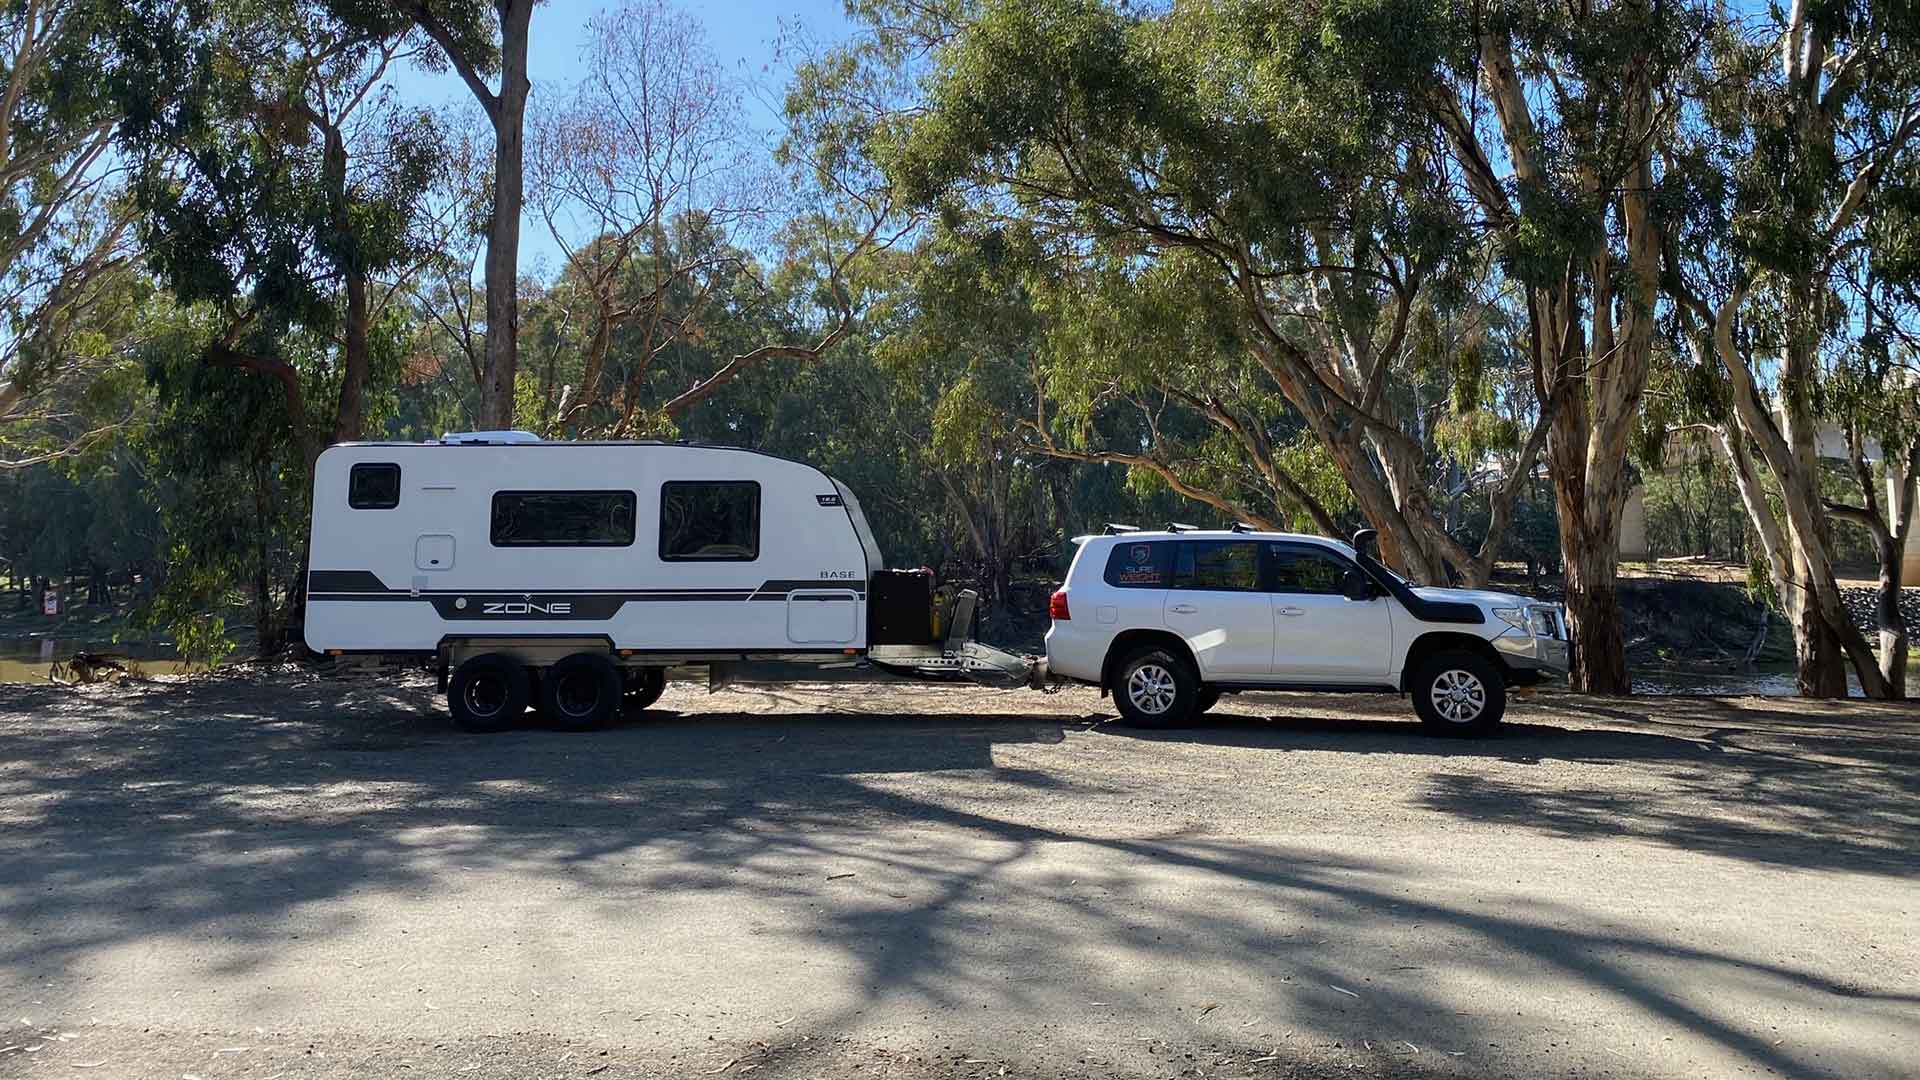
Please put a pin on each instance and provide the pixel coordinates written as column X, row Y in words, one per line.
column 241, row 89
column 1693, row 508
column 236, row 518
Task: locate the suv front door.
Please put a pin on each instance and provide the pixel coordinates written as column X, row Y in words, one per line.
column 1217, row 605
column 1318, row 634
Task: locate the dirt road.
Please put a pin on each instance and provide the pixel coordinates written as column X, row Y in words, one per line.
column 258, row 875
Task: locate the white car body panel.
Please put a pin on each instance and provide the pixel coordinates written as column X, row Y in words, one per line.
column 1276, row 638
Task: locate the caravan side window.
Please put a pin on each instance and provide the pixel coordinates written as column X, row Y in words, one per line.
column 563, row 518
column 373, row 485
column 709, row 520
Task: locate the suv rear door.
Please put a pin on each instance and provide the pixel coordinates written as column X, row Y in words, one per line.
column 1137, row 574
column 1218, row 606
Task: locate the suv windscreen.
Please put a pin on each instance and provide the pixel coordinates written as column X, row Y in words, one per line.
column 1229, row 565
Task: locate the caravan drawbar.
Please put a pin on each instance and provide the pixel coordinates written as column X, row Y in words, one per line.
column 569, row 576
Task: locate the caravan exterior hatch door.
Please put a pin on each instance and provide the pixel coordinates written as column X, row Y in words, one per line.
column 433, row 551
column 822, row 616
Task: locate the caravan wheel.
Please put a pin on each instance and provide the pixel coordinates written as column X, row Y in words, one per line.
column 645, row 686
column 580, row 693
column 488, row 693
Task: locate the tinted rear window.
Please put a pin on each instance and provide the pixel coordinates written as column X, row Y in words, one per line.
column 1229, row 565
column 1143, row 565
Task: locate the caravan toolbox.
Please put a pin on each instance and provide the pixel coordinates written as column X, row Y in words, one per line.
column 900, row 607
column 568, row 575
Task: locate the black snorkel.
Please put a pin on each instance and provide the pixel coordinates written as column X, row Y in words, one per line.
column 1365, row 543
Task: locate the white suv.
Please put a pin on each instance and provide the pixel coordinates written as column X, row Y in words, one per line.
column 1168, row 621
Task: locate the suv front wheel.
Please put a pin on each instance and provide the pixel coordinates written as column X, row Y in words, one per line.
column 1458, row 693
column 1155, row 688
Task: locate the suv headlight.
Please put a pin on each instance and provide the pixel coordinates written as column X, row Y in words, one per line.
column 1512, row 616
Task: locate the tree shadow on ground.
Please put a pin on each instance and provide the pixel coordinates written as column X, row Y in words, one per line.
column 219, row 806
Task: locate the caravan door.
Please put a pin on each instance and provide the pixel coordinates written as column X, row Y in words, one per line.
column 823, row 616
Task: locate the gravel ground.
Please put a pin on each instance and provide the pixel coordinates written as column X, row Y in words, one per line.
column 276, row 873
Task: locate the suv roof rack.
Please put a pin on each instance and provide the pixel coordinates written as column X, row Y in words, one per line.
column 1180, row 527
column 1114, row 528
column 1241, row 527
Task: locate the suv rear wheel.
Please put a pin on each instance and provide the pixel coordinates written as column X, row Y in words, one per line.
column 1155, row 688
column 1459, row 693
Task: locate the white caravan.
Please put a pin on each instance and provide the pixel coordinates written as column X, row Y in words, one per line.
column 568, row 574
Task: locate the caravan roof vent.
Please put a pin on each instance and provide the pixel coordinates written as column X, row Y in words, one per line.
column 488, row 438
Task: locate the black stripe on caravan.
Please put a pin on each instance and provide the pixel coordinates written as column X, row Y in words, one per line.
column 364, row 584
column 398, row 594
column 344, row 581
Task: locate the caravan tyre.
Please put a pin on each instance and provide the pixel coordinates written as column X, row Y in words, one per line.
column 488, row 693
column 644, row 687
column 580, row 693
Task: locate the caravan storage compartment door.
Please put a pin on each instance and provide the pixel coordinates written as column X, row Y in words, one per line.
column 822, row 616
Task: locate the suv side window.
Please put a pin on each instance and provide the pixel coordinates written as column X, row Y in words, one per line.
column 1298, row 568
column 1220, row 565
column 1145, row 565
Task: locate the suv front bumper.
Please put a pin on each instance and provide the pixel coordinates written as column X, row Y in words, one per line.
column 1531, row 650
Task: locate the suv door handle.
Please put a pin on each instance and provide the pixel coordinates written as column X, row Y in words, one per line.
column 1290, row 611
column 1183, row 609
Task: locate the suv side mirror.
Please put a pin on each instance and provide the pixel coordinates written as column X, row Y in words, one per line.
column 1358, row 586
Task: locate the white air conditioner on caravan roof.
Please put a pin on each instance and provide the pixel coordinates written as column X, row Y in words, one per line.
column 492, row 438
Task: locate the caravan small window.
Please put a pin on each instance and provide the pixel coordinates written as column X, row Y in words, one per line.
column 711, row 520
column 563, row 518
column 373, row 486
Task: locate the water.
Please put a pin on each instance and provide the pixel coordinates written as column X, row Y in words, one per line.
column 1765, row 682
column 29, row 659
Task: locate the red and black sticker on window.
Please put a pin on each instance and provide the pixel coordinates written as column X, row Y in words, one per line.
column 1143, row 565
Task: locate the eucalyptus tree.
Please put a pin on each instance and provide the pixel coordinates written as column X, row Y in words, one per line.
column 1802, row 174
column 1250, row 159
column 640, row 172
column 483, row 39
column 276, row 182
column 65, row 238
column 1552, row 114
column 1873, row 396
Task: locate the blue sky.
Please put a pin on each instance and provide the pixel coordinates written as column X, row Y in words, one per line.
column 743, row 34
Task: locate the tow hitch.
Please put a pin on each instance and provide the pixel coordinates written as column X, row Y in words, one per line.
column 960, row 656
